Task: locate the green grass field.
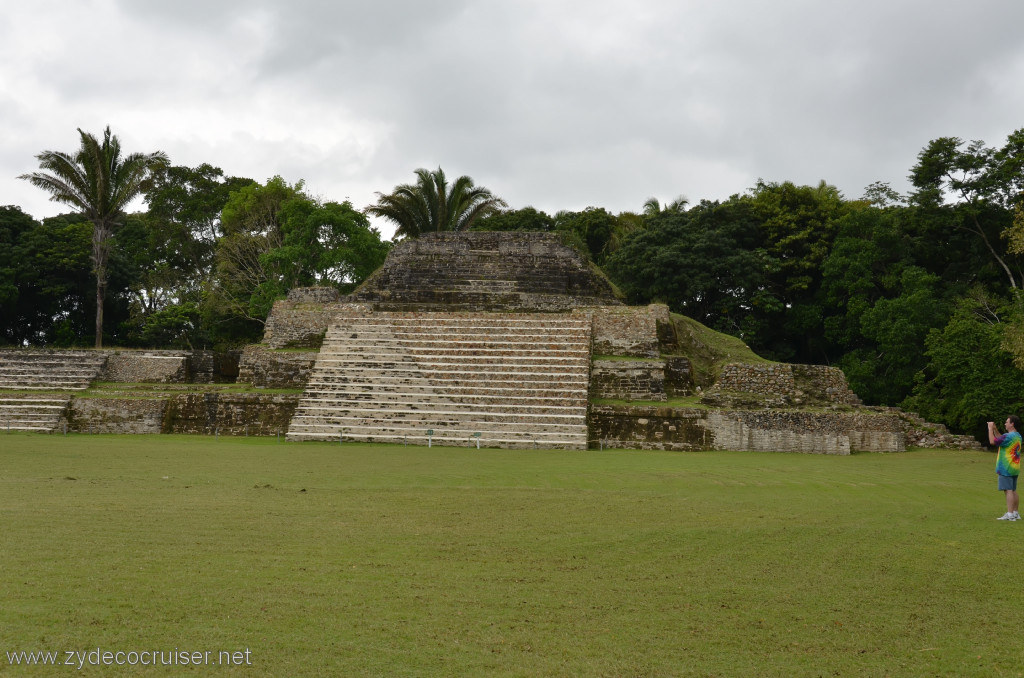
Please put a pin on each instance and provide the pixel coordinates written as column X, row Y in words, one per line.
column 382, row 560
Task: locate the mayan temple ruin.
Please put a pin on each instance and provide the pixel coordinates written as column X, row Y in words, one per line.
column 481, row 338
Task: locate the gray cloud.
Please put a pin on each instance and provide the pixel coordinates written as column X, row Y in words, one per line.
column 555, row 104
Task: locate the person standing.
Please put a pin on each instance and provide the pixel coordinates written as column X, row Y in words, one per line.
column 1008, row 462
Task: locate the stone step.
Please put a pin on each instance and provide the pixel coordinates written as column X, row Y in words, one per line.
column 428, row 398
column 467, row 441
column 485, row 320
column 441, row 430
column 451, row 372
column 493, row 417
column 57, row 377
column 51, row 387
column 329, row 363
column 543, row 390
column 24, row 412
column 527, row 351
column 49, row 370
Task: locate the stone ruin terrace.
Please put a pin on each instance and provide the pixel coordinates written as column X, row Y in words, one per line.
column 489, row 339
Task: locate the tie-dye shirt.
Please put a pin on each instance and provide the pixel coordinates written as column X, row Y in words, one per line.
column 1008, row 457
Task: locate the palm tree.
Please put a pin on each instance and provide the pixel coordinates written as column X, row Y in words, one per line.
column 100, row 183
column 431, row 205
column 653, row 208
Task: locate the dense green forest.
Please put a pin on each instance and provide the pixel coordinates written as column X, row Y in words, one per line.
column 916, row 297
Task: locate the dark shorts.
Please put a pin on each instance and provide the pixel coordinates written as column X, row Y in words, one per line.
column 1007, row 482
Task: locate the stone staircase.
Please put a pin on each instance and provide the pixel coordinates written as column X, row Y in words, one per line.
column 516, row 380
column 38, row 412
column 35, row 386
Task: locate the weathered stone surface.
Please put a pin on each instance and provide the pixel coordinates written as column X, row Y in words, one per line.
column 678, row 376
column 150, row 366
column 266, row 368
column 213, row 367
column 254, row 414
column 302, row 324
column 314, row 295
column 823, row 384
column 627, row 330
column 779, row 385
column 771, row 379
column 779, row 431
column 485, row 271
column 116, row 415
column 628, row 379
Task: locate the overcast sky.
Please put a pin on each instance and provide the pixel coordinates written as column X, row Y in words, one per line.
column 558, row 105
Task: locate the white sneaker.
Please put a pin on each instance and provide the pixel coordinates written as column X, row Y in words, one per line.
column 1007, row 516
column 1016, row 515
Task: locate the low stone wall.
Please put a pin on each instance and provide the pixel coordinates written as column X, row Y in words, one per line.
column 823, row 384
column 650, row 428
column 170, row 367
column 811, row 432
column 266, row 368
column 213, row 367
column 294, row 324
column 628, row 379
column 116, row 415
column 670, row 428
column 628, row 330
column 781, row 384
column 254, row 414
column 314, row 295
column 137, row 366
column 770, row 379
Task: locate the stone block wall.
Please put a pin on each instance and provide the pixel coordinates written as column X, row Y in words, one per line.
column 169, row 367
column 116, row 415
column 628, row 379
column 776, row 431
column 213, row 367
column 627, row 330
column 823, row 384
column 263, row 367
column 314, row 295
column 809, row 432
column 649, row 428
column 254, row 414
column 769, row 379
column 678, row 376
column 230, row 413
column 148, row 366
column 302, row 324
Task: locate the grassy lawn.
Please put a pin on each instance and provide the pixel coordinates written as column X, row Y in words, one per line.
column 323, row 559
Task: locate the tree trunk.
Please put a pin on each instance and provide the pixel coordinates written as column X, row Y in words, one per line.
column 100, row 235
column 101, row 289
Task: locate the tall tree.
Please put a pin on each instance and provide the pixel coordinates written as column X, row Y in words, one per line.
column 431, row 204
column 705, row 262
column 275, row 238
column 983, row 184
column 100, row 183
